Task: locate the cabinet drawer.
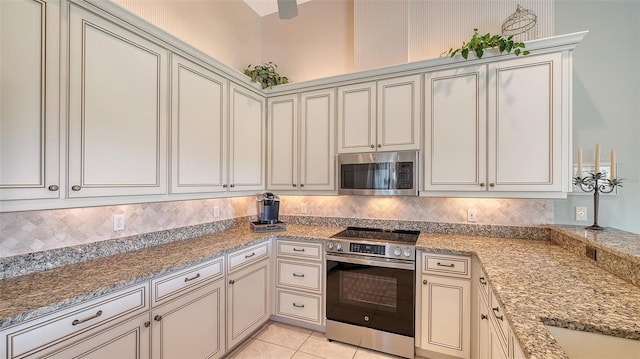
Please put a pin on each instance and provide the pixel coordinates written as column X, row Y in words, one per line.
column 299, row 275
column 483, row 284
column 36, row 335
column 500, row 319
column 457, row 266
column 248, row 255
column 299, row 306
column 179, row 282
column 304, row 250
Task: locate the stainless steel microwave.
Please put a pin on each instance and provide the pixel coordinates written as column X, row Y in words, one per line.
column 378, row 173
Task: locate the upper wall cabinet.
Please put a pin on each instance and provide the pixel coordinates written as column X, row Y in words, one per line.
column 301, row 151
column 29, row 100
column 117, row 110
column 198, row 128
column 497, row 127
column 379, row 116
column 247, row 139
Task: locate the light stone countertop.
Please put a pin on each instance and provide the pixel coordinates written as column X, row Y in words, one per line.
column 536, row 281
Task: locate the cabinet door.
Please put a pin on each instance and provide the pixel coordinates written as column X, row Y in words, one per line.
column 248, row 301
column 127, row 340
column 526, row 124
column 357, row 118
column 399, row 115
column 29, row 116
column 117, row 110
column 198, row 128
column 191, row 326
column 282, row 154
column 455, row 154
column 483, row 334
column 247, row 140
column 446, row 324
column 317, row 148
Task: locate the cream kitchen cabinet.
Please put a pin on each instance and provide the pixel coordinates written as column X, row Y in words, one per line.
column 248, row 292
column 199, row 122
column 299, row 272
column 498, row 127
column 301, row 154
column 29, row 105
column 117, row 109
column 380, row 116
column 445, row 305
column 112, row 326
column 247, row 137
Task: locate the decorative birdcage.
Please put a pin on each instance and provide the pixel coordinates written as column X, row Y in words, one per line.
column 522, row 24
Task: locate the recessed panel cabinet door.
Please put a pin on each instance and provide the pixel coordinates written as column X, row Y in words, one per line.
column 29, row 97
column 118, row 110
column 317, row 149
column 455, row 153
column 357, row 118
column 282, row 153
column 198, row 128
column 399, row 114
column 247, row 140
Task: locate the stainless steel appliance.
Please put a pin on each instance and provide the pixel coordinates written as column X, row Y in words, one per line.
column 268, row 208
column 370, row 294
column 378, row 173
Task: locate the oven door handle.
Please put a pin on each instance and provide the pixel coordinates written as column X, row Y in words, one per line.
column 372, row 262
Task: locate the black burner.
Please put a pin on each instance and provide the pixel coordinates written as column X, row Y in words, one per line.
column 377, row 234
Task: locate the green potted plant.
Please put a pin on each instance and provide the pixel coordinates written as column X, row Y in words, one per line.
column 266, row 75
column 478, row 44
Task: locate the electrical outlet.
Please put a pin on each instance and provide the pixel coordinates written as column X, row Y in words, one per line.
column 118, row 222
column 216, row 211
column 303, row 208
column 581, row 213
column 471, row 215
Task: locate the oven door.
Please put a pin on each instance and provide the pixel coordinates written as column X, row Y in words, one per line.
column 378, row 294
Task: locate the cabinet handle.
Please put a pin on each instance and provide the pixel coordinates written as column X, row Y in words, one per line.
column 424, row 281
column 482, row 281
column 482, row 184
column 249, row 255
column 496, row 309
column 224, row 185
column 298, row 275
column 379, row 145
column 80, row 321
column 231, row 281
column 492, row 184
column 446, row 265
column 157, row 318
column 298, row 305
column 482, row 316
column 76, row 188
column 147, row 324
column 294, row 185
column 54, row 187
column 232, row 185
column 192, row 278
column 298, row 250
column 372, row 146
column 302, row 185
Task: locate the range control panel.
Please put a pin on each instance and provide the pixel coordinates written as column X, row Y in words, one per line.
column 383, row 250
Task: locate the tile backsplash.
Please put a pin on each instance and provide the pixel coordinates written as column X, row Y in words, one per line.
column 33, row 231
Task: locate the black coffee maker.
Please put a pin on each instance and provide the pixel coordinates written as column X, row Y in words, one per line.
column 268, row 208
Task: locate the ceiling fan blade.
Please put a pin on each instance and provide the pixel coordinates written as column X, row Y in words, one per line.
column 287, row 9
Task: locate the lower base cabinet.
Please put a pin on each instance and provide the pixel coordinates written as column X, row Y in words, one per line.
column 192, row 325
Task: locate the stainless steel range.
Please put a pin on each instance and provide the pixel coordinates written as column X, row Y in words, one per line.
column 371, row 289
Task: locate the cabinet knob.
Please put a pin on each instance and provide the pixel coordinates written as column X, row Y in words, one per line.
column 224, row 185
column 379, row 145
column 492, row 184
column 231, row 281
column 295, row 185
column 157, row 318
column 372, row 146
column 232, row 185
column 147, row 324
column 482, row 316
column 54, row 187
column 76, row 188
column 302, row 185
column 424, row 281
column 482, row 184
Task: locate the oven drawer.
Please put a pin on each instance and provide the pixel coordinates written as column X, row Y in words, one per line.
column 306, row 250
column 298, row 275
column 445, row 264
column 299, row 306
column 247, row 256
column 176, row 283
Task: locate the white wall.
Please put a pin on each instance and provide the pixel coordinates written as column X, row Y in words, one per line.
column 606, row 102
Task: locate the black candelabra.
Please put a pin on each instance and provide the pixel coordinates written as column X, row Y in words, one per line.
column 596, row 183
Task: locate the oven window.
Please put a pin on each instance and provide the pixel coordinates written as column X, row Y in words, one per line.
column 366, row 176
column 376, row 297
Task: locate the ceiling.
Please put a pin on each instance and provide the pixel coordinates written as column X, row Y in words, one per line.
column 266, row 7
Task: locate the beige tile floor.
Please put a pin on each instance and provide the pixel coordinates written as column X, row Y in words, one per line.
column 282, row 341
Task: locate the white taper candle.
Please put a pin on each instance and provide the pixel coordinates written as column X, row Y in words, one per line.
column 597, row 166
column 614, row 175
